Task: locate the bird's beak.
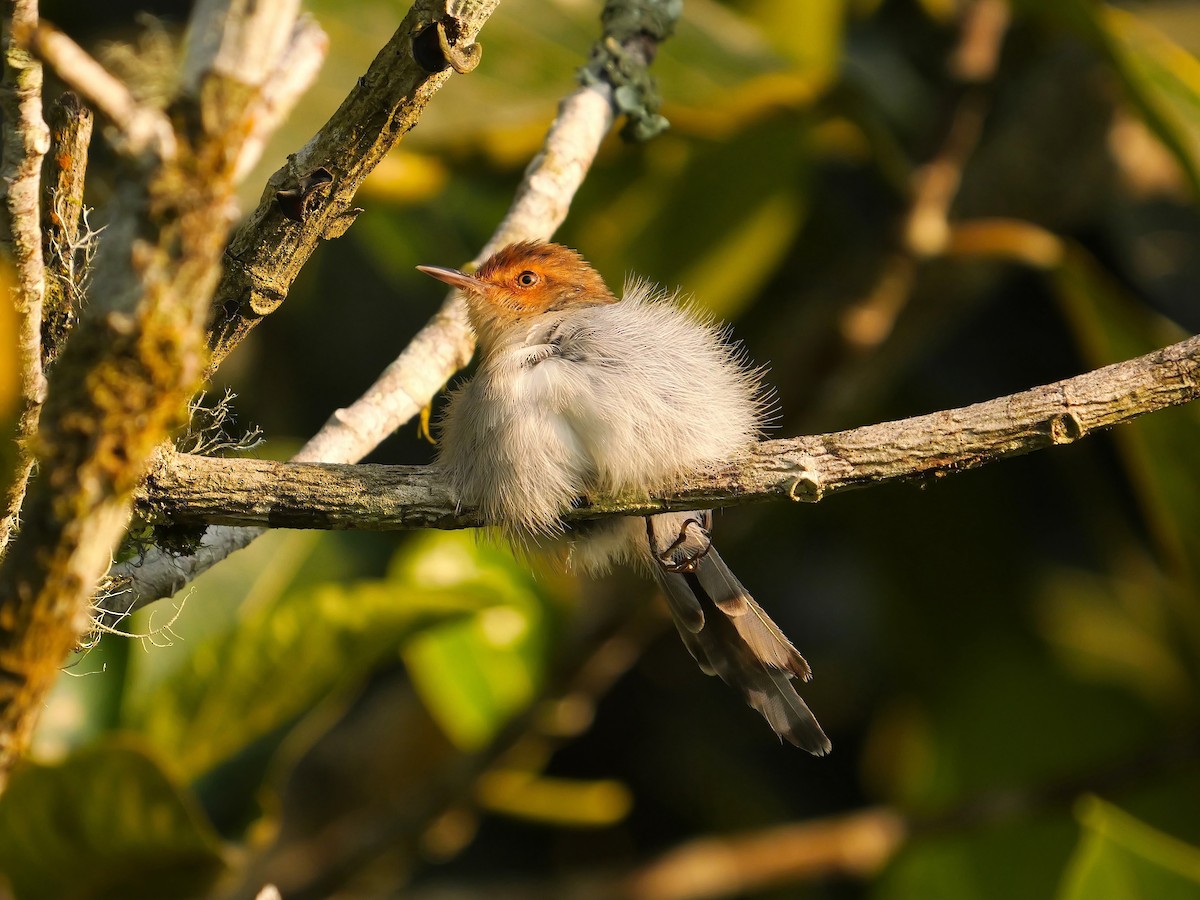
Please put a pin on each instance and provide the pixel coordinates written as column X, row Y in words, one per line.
column 455, row 278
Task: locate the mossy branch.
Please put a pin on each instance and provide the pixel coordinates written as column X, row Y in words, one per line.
column 137, row 355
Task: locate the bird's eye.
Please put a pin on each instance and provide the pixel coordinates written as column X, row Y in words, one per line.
column 527, row 279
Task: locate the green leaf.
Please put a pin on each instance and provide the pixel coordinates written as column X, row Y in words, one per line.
column 474, row 674
column 262, row 674
column 108, row 822
column 1122, row 858
column 722, row 243
column 1117, row 628
column 1016, row 859
column 808, row 34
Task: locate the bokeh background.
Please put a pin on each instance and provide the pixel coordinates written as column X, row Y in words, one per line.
column 901, row 207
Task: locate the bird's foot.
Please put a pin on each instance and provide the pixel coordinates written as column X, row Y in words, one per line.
column 691, row 542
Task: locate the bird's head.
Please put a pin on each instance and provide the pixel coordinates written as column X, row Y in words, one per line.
column 523, row 280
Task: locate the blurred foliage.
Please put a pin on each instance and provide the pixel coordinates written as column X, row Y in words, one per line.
column 993, row 652
column 109, row 822
column 1119, row 857
column 479, row 672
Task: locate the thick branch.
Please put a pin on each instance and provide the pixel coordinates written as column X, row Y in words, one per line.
column 66, row 255
column 806, row 469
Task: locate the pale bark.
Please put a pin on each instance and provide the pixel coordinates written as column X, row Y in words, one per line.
column 194, row 489
column 25, row 141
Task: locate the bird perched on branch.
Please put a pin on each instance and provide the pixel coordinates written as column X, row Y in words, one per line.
column 577, row 393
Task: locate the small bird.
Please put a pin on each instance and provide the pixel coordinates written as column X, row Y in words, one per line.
column 579, row 393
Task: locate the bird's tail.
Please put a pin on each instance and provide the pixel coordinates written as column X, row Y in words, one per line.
column 727, row 632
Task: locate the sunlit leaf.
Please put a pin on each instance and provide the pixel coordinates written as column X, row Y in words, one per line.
column 808, row 34
column 979, row 863
column 1117, row 629
column 1162, row 77
column 558, row 801
column 1121, row 858
column 477, row 672
column 722, row 242
column 107, row 823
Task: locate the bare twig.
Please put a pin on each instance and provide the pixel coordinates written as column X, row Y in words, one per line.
column 806, row 469
column 25, row 141
column 926, row 229
column 857, row 845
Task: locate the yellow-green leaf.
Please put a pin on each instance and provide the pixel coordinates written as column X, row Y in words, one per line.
column 1122, row 858
column 107, row 823
column 475, row 673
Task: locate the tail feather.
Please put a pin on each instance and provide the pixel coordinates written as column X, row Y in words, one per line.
column 765, row 638
column 740, row 643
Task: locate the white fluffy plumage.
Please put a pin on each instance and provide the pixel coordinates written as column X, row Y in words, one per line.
column 610, row 398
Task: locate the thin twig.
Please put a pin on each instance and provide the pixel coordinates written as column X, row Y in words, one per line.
column 926, row 228
column 193, row 489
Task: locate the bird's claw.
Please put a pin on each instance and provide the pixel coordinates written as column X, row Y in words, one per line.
column 692, row 543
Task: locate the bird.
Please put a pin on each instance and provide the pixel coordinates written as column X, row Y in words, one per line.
column 579, row 393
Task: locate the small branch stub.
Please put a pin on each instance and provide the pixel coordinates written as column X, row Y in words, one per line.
column 435, row 49
column 295, row 203
column 806, row 488
column 1066, row 428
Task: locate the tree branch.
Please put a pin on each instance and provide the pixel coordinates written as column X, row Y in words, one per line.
column 193, row 489
column 140, row 129
column 25, row 141
column 268, row 250
column 66, row 254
